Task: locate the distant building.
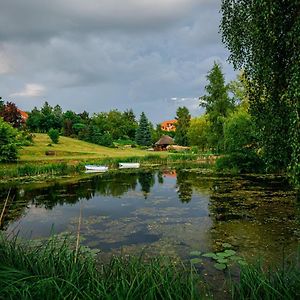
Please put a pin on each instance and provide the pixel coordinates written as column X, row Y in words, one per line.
column 24, row 115
column 169, row 125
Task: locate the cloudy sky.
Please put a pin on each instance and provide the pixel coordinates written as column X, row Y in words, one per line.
column 96, row 55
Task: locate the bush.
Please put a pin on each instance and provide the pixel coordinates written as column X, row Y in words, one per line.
column 8, row 146
column 54, row 135
column 240, row 142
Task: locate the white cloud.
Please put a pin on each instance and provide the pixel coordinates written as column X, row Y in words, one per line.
column 30, row 90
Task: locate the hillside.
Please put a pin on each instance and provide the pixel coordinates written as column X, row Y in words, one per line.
column 71, row 149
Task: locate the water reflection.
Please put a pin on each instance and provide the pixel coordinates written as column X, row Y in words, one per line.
column 167, row 211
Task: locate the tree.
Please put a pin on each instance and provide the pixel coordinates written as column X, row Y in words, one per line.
column 183, row 118
column 263, row 38
column 218, row 105
column 198, row 132
column 34, row 120
column 240, row 142
column 54, row 135
column 143, row 134
column 12, row 115
column 8, row 147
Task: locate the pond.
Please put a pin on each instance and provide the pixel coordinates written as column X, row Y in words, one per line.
column 161, row 212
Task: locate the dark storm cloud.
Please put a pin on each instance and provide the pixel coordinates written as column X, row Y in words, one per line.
column 103, row 54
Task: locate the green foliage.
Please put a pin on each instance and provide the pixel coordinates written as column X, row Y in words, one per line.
column 183, row 118
column 258, row 282
column 54, row 135
column 11, row 114
column 240, row 143
column 263, row 38
column 8, row 147
column 143, row 133
column 198, row 132
column 218, row 105
column 52, row 270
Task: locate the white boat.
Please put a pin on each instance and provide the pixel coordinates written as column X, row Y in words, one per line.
column 95, row 168
column 129, row 165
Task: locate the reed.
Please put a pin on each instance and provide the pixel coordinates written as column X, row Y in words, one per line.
column 256, row 282
column 50, row 271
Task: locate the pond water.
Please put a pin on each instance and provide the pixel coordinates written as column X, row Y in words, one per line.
column 167, row 211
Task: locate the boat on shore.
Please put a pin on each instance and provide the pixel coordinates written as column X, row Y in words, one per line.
column 129, row 165
column 95, row 168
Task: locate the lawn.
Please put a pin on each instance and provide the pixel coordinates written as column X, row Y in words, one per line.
column 69, row 149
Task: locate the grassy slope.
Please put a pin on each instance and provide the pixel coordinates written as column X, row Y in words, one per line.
column 72, row 149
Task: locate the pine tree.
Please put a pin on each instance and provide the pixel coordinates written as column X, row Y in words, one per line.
column 183, row 118
column 143, row 134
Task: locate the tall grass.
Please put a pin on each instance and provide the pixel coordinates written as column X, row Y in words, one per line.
column 274, row 283
column 50, row 271
column 38, row 169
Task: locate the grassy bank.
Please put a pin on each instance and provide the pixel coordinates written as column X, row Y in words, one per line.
column 69, row 149
column 19, row 171
column 54, row 271
column 71, row 155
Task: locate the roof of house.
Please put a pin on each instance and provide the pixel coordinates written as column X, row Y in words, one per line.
column 165, row 140
column 23, row 114
column 168, row 122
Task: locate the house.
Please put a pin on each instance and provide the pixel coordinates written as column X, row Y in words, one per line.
column 163, row 143
column 169, row 125
column 23, row 114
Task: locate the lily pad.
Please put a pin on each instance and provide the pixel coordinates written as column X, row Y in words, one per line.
column 222, row 261
column 195, row 253
column 210, row 255
column 242, row 263
column 220, row 267
column 230, row 252
column 195, row 260
column 227, row 245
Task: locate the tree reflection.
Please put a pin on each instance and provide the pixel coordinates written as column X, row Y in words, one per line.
column 184, row 187
column 146, row 180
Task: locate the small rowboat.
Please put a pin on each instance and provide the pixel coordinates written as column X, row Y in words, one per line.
column 94, row 168
column 129, row 165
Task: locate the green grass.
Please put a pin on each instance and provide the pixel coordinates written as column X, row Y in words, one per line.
column 69, row 149
column 53, row 271
column 257, row 282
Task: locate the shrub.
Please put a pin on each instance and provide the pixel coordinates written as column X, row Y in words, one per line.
column 54, row 135
column 8, row 146
column 240, row 142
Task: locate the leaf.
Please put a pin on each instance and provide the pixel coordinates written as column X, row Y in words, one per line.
column 196, row 260
column 222, row 261
column 227, row 245
column 220, row 267
column 210, row 255
column 221, row 254
column 242, row 263
column 195, row 253
column 230, row 252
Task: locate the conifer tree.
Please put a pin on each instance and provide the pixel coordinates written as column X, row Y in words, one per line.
column 183, row 118
column 143, row 134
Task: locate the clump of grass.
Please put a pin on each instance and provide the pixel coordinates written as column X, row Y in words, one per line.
column 257, row 283
column 50, row 271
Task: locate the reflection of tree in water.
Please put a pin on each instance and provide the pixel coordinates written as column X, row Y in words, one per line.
column 184, row 187
column 160, row 177
column 59, row 194
column 146, row 180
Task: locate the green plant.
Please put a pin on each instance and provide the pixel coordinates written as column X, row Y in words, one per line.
column 54, row 270
column 54, row 135
column 8, row 146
